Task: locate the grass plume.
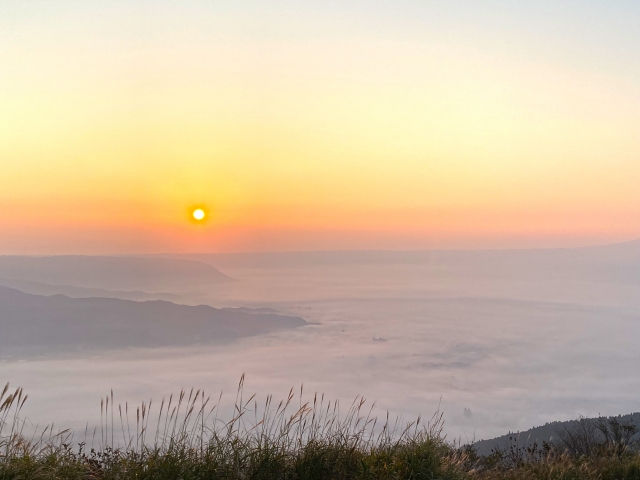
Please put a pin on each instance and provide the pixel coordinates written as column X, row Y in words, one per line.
column 186, row 438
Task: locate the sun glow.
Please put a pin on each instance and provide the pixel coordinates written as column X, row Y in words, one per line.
column 198, row 214
column 352, row 132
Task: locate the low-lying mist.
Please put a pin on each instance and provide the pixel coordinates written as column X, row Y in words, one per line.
column 499, row 341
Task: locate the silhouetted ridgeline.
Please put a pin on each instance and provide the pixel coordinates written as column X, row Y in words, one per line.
column 617, row 261
column 538, row 435
column 38, row 324
column 39, row 288
column 119, row 273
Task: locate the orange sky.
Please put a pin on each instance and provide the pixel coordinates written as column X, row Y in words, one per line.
column 309, row 130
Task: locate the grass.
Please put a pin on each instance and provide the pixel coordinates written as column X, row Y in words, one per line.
column 184, row 438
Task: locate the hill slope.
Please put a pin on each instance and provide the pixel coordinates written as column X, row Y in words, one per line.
column 39, row 288
column 34, row 324
column 544, row 433
column 112, row 273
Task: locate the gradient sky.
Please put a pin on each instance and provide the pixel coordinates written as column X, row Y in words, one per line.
column 317, row 125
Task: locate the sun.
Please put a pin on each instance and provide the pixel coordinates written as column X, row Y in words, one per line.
column 198, row 214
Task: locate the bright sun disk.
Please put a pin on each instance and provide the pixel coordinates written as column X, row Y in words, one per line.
column 198, row 214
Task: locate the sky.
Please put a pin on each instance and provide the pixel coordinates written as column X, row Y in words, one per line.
column 317, row 125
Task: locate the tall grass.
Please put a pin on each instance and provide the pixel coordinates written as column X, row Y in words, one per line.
column 185, row 438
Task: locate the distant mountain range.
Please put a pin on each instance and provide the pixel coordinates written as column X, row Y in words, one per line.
column 39, row 288
column 614, row 263
column 110, row 273
column 545, row 433
column 618, row 255
column 36, row 324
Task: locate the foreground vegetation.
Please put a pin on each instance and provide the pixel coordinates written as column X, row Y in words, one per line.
column 185, row 439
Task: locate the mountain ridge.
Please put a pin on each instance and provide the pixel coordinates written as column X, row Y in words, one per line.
column 36, row 324
column 110, row 272
column 538, row 435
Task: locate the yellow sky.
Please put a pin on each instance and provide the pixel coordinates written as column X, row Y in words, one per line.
column 328, row 140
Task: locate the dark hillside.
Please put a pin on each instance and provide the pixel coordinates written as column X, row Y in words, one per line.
column 39, row 324
column 544, row 433
column 112, row 273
